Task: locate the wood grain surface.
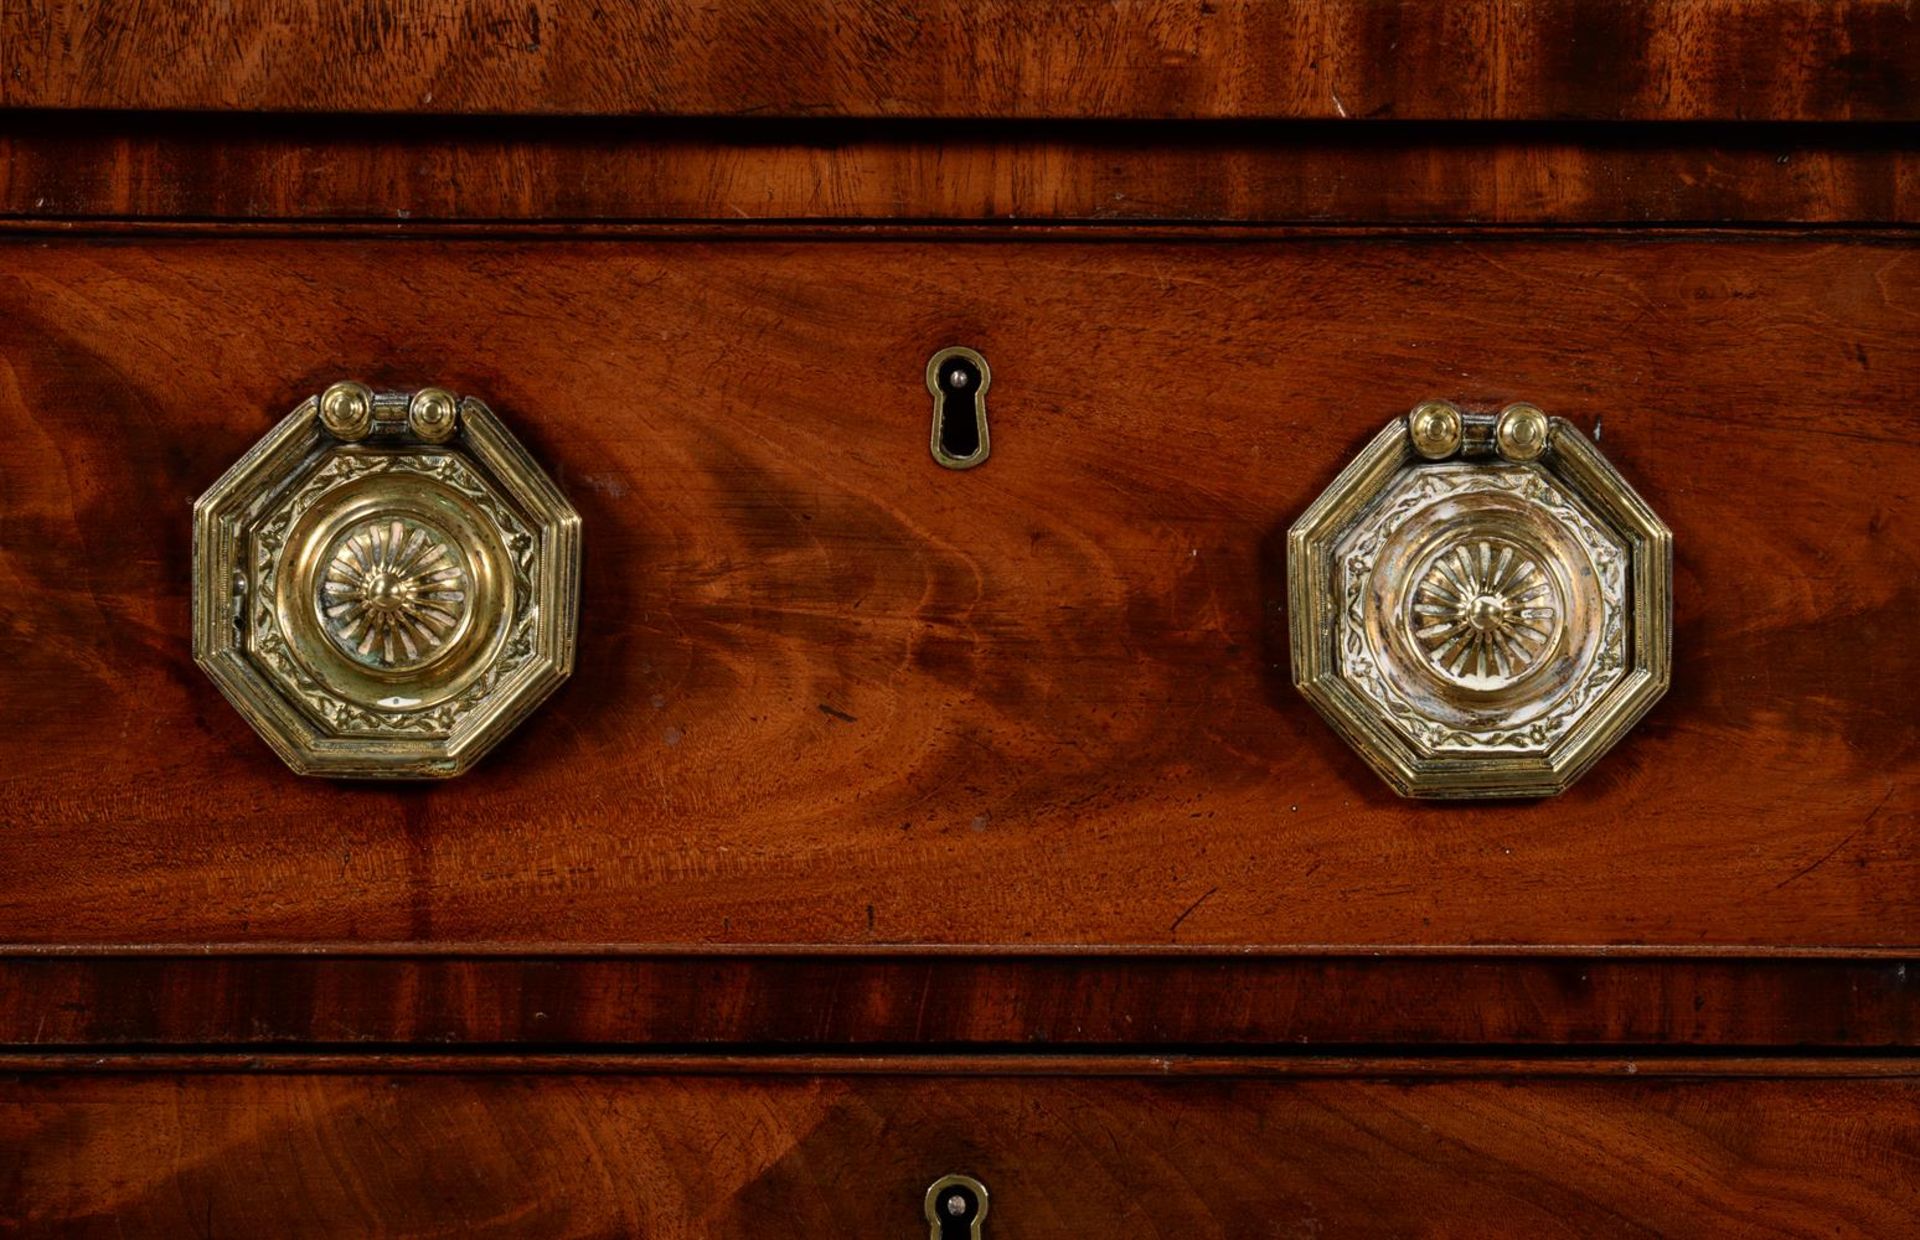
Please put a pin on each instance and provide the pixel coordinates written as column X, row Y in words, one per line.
column 900, row 822
column 829, row 694
column 1579, row 1063
column 1134, row 59
column 668, row 1157
column 574, row 1005
column 72, row 165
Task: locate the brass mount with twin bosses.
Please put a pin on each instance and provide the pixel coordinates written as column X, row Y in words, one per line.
column 386, row 584
column 1480, row 604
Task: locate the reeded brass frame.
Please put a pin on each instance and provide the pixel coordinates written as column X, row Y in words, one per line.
column 476, row 550
column 1470, row 477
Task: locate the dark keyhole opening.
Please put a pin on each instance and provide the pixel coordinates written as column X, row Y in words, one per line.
column 959, row 401
column 956, row 1223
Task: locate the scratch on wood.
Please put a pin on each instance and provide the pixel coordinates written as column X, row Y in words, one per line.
column 1823, row 859
column 1830, row 853
column 1175, row 927
column 834, row 713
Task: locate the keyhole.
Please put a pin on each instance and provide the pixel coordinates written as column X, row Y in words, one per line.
column 956, row 1206
column 958, row 379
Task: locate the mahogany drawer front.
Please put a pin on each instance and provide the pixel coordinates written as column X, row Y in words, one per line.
column 830, row 695
column 1339, row 1151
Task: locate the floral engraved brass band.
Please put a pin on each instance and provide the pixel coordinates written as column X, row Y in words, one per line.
column 1480, row 604
column 386, row 584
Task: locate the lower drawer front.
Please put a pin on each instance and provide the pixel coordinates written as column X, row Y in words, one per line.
column 290, row 1153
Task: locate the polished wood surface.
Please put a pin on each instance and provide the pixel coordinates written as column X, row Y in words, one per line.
column 1344, row 1062
column 74, row 166
column 1186, row 1006
column 1300, row 59
column 296, row 1154
column 900, row 822
column 832, row 695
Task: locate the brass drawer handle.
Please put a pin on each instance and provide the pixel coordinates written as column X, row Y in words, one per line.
column 1480, row 604
column 956, row 1208
column 386, row 584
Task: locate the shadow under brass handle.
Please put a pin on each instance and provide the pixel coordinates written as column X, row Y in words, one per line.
column 1480, row 604
column 386, row 584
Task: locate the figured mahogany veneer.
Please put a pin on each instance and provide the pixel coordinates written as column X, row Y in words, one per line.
column 1376, row 1149
column 1754, row 60
column 899, row 822
column 832, row 695
column 87, row 166
column 244, row 1005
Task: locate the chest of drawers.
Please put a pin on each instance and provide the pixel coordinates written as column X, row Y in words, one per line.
column 901, row 822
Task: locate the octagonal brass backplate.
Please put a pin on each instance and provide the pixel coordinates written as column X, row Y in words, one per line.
column 1480, row 604
column 386, row 584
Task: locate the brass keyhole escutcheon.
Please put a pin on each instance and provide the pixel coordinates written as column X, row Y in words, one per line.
column 956, row 1208
column 959, row 378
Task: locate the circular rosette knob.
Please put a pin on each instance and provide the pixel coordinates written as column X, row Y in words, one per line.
column 1480, row 604
column 386, row 584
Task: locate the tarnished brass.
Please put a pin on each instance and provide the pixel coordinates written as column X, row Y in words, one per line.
column 432, row 415
column 956, row 1205
column 1436, row 428
column 346, row 410
column 1483, row 620
column 1520, row 433
column 386, row 584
